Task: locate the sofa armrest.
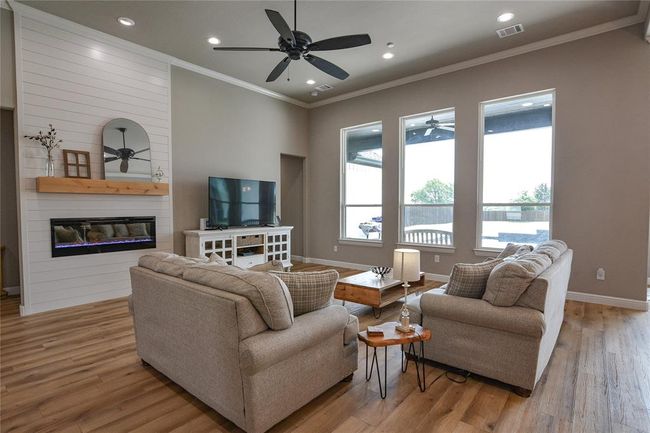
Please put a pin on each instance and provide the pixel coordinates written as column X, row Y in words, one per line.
column 516, row 320
column 270, row 347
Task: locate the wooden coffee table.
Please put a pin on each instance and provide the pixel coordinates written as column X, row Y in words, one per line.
column 392, row 337
column 366, row 288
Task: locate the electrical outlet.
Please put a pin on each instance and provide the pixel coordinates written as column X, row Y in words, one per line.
column 436, row 258
column 336, row 248
column 600, row 274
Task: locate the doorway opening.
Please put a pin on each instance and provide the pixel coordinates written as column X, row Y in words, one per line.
column 292, row 198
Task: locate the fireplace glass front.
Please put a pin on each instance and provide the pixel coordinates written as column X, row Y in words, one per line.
column 75, row 236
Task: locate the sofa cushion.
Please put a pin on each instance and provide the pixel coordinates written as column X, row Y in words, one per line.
column 168, row 263
column 468, row 280
column 217, row 259
column 310, row 291
column 552, row 248
column 267, row 293
column 273, row 265
column 510, row 279
column 515, row 250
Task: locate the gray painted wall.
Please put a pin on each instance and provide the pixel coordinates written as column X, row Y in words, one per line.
column 7, row 62
column 8, row 201
column 222, row 130
column 601, row 161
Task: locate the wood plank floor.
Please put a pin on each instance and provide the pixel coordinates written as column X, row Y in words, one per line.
column 76, row 370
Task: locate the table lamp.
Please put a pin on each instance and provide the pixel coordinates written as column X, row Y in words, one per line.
column 406, row 267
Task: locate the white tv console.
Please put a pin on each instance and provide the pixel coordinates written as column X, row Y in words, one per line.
column 243, row 247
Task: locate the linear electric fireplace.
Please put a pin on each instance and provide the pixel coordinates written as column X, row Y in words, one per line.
column 76, row 236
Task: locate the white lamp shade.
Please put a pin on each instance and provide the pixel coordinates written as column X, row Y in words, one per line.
column 406, row 264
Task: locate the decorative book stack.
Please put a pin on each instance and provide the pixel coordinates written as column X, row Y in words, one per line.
column 375, row 331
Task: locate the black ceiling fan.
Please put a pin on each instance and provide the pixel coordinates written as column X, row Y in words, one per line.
column 296, row 44
column 124, row 153
column 436, row 124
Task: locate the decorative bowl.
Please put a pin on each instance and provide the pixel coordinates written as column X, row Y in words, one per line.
column 381, row 271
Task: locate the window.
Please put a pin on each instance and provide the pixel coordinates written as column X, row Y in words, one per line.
column 515, row 189
column 361, row 177
column 427, row 170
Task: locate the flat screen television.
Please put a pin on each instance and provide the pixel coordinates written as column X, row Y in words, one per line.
column 240, row 202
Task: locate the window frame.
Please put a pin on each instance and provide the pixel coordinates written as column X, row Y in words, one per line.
column 479, row 249
column 401, row 201
column 342, row 183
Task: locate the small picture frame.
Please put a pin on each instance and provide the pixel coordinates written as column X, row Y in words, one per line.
column 76, row 163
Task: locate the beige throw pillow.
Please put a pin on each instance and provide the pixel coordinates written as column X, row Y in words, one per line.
column 273, row 265
column 514, row 250
column 511, row 278
column 267, row 292
column 310, row 291
column 218, row 260
column 552, row 248
column 468, row 280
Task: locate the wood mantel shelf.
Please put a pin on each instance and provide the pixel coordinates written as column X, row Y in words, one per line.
column 66, row 185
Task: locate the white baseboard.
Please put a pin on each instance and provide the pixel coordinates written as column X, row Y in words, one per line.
column 12, row 290
column 608, row 300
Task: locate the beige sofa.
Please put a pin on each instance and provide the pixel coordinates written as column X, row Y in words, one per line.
column 216, row 345
column 509, row 344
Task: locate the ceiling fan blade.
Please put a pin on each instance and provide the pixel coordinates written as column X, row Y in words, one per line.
column 140, row 151
column 140, row 159
column 111, row 158
column 244, row 49
column 280, row 25
column 111, row 151
column 278, row 70
column 428, row 132
column 327, row 67
column 340, row 43
column 124, row 166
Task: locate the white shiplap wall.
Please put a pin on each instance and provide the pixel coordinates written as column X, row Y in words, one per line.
column 78, row 80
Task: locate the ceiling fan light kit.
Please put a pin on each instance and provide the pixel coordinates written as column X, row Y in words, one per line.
column 296, row 45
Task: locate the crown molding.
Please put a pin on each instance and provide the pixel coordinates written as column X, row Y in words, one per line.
column 643, row 15
column 534, row 46
column 235, row 81
column 79, row 29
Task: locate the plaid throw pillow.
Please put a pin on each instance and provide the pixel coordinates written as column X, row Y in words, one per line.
column 469, row 280
column 310, row 291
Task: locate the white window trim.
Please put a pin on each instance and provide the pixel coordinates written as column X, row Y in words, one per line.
column 401, row 204
column 342, row 180
column 480, row 250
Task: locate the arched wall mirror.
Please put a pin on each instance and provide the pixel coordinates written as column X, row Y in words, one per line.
column 127, row 153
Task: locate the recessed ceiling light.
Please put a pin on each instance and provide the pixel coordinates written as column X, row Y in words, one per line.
column 391, row 45
column 310, row 82
column 125, row 21
column 526, row 104
column 388, row 55
column 505, row 17
column 314, row 93
column 214, row 41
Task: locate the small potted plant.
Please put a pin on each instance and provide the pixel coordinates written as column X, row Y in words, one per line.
column 49, row 143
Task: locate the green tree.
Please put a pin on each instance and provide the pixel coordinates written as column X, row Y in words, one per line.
column 541, row 194
column 434, row 191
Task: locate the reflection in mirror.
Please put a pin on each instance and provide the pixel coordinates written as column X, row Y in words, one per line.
column 127, row 154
